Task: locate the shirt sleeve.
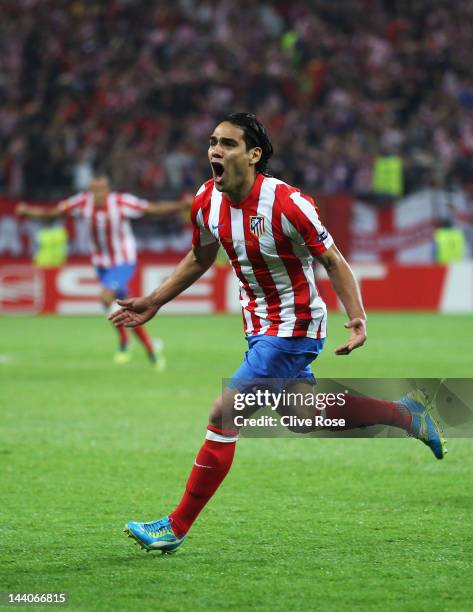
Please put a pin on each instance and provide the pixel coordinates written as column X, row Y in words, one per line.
column 131, row 206
column 74, row 205
column 201, row 235
column 301, row 223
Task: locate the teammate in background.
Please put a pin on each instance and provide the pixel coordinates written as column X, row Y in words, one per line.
column 107, row 215
column 271, row 233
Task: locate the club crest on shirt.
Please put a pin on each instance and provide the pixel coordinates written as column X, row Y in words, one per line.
column 257, row 225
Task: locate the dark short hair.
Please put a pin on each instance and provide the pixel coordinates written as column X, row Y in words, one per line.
column 255, row 135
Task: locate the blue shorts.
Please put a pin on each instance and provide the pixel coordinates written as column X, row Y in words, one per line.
column 116, row 278
column 275, row 357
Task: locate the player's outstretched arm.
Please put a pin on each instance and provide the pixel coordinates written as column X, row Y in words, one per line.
column 136, row 311
column 38, row 212
column 347, row 289
column 162, row 209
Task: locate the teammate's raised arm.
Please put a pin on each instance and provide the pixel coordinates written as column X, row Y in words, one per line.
column 39, row 212
column 136, row 311
column 162, row 209
column 347, row 289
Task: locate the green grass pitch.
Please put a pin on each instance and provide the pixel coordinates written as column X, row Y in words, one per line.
column 319, row 524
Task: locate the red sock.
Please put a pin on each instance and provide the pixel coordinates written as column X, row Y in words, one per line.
column 123, row 335
column 210, row 468
column 365, row 411
column 144, row 338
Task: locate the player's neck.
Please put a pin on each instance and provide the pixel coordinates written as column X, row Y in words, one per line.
column 241, row 192
column 100, row 203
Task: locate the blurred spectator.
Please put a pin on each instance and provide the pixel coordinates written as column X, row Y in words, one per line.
column 138, row 86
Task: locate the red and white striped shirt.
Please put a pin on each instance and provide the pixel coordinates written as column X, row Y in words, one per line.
column 113, row 243
column 270, row 239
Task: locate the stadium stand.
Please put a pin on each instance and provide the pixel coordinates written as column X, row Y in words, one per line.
column 361, row 97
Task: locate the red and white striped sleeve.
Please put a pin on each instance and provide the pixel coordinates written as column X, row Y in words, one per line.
column 74, row 205
column 301, row 223
column 201, row 234
column 131, row 206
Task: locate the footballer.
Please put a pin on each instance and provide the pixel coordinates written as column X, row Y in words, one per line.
column 271, row 233
column 107, row 214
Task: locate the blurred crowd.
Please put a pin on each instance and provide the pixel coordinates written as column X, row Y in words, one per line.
column 134, row 89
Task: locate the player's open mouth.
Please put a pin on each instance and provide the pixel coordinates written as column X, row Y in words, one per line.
column 218, row 171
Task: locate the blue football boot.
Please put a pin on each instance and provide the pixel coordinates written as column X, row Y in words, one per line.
column 424, row 427
column 156, row 535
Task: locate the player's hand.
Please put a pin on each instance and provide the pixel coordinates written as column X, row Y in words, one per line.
column 21, row 209
column 133, row 312
column 356, row 338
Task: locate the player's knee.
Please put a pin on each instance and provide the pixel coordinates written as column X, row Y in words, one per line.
column 221, row 414
column 216, row 414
